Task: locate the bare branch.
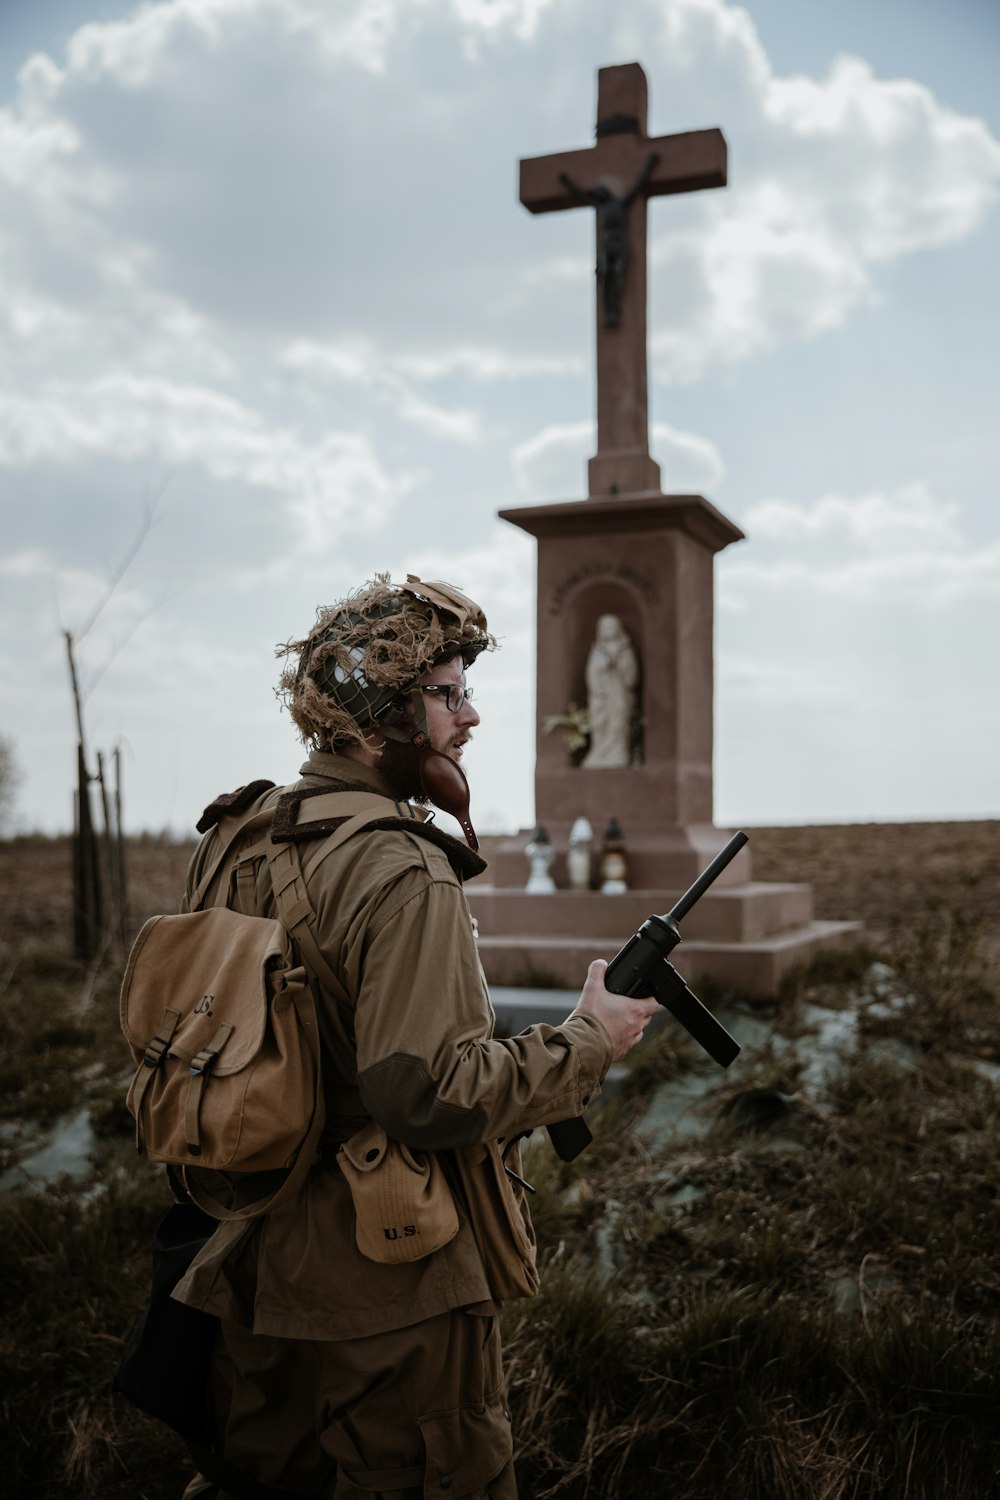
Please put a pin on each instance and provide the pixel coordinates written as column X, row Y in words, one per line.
column 137, row 622
column 149, row 512
column 75, row 682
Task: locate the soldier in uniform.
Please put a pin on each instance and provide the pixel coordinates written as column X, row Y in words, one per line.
column 334, row 1373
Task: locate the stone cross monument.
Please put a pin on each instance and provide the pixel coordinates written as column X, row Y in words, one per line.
column 616, row 177
column 625, row 616
column 630, row 563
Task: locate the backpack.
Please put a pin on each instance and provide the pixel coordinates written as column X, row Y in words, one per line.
column 218, row 1009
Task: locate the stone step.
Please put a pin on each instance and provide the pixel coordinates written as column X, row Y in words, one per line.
column 517, row 1009
column 733, row 914
column 534, row 962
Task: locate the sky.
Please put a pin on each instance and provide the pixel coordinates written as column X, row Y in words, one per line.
column 270, row 308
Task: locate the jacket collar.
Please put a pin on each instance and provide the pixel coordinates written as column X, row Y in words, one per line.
column 326, row 765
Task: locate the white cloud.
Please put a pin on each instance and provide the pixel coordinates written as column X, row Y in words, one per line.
column 336, row 480
column 64, row 596
column 359, row 360
column 938, row 578
column 131, row 49
column 784, row 682
column 29, row 149
column 831, row 177
column 552, row 463
column 34, row 319
column 688, row 461
column 490, row 17
column 908, row 519
column 913, row 550
column 760, row 274
column 499, row 572
column 359, row 363
column 921, row 175
column 484, row 364
column 360, row 32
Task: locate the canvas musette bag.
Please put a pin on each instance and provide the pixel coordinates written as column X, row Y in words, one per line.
column 222, row 1026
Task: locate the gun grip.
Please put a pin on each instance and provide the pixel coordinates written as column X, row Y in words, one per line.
column 673, row 994
column 570, row 1137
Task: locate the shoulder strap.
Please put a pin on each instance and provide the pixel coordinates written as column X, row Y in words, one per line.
column 354, row 811
column 255, row 820
column 295, row 910
column 328, row 810
column 347, row 813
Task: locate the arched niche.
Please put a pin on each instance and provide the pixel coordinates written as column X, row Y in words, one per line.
column 606, row 597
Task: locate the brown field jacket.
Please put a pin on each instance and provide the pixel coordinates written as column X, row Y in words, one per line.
column 413, row 1049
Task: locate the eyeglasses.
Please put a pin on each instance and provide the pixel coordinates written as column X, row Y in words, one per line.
column 454, row 693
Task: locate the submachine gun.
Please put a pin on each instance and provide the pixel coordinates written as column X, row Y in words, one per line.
column 641, row 968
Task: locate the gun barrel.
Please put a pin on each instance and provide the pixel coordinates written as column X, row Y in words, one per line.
column 641, row 967
column 707, row 876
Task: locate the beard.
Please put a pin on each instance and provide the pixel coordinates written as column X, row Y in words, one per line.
column 400, row 765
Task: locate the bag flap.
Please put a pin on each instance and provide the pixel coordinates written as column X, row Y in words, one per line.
column 213, row 969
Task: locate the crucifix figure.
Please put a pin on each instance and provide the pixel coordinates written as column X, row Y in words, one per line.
column 616, row 177
column 612, row 235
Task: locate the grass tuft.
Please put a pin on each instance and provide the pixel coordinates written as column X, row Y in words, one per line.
column 74, row 1275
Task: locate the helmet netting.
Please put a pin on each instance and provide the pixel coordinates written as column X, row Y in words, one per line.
column 362, row 652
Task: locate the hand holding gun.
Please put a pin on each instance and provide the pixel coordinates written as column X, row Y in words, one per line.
column 641, row 968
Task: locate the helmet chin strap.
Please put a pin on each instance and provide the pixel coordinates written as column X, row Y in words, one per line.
column 444, row 783
column 441, row 778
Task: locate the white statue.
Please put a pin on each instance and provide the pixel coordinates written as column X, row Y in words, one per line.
column 612, row 679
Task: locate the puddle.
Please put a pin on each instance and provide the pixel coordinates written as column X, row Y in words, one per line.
column 752, row 1032
column 832, row 1037
column 829, row 1039
column 853, row 1293
column 67, row 1148
column 672, row 1112
column 679, row 1197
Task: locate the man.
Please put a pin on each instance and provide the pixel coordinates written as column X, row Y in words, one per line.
column 335, row 1373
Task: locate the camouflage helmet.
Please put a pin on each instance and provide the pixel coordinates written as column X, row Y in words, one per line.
column 365, row 653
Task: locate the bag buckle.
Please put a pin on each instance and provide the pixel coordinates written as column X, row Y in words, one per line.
column 200, row 1064
column 156, row 1051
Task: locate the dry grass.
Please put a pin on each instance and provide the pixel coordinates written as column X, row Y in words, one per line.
column 805, row 1309
column 882, row 873
column 802, row 1299
column 886, row 874
column 800, row 1302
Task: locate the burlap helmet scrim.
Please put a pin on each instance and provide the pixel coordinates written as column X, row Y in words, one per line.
column 369, row 650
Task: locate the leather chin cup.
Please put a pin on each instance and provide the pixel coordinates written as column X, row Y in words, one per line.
column 444, row 783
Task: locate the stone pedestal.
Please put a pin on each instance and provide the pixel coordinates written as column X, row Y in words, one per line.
column 648, row 559
column 745, row 937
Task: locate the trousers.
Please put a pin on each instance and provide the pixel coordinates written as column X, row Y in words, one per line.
column 406, row 1415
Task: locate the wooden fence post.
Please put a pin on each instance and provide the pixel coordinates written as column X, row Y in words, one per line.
column 87, row 923
column 120, row 848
